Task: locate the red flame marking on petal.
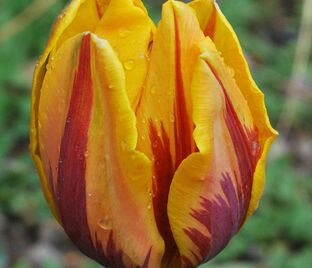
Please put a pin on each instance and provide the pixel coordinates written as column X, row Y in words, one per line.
column 222, row 218
column 211, row 25
column 163, row 175
column 71, row 185
column 224, row 215
column 182, row 129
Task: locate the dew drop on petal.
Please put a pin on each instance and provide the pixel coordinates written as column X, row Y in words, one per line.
column 123, row 32
column 123, row 145
column 153, row 90
column 155, row 144
column 172, row 118
column 105, row 223
column 129, row 64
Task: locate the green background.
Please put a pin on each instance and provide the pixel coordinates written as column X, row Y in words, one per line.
column 280, row 232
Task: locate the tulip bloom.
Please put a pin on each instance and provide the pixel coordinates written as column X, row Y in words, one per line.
column 150, row 142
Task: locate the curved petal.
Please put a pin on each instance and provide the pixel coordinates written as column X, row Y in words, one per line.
column 211, row 190
column 119, row 200
column 100, row 183
column 222, row 34
column 129, row 30
column 67, row 25
column 164, row 112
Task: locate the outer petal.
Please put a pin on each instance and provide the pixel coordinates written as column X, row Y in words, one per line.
column 101, row 185
column 164, row 111
column 211, row 190
column 216, row 26
column 128, row 28
column 67, row 25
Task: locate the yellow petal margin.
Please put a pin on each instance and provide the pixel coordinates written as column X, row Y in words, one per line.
column 215, row 25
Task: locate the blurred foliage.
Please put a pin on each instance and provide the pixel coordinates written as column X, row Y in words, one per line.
column 279, row 235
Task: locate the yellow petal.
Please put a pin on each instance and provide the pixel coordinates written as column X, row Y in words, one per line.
column 164, row 118
column 100, row 183
column 118, row 178
column 128, row 28
column 211, row 190
column 222, row 34
column 67, row 25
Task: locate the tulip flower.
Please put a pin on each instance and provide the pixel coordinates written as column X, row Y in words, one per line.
column 150, row 141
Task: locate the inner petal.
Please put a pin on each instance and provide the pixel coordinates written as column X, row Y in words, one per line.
column 164, row 111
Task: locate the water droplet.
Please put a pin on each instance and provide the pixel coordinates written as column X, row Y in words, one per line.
column 149, row 206
column 124, row 145
column 172, row 118
column 86, row 153
column 153, row 89
column 123, row 32
column 202, row 178
column 155, row 144
column 254, row 148
column 129, row 65
column 143, row 120
column 106, row 223
column 61, row 16
column 90, row 194
column 110, row 86
column 68, row 120
column 143, row 137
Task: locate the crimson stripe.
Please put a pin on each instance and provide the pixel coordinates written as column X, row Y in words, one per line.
column 211, row 24
column 182, row 129
column 71, row 185
column 162, row 178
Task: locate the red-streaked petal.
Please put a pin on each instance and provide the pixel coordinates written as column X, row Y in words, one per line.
column 215, row 25
column 101, row 185
column 67, row 25
column 210, row 193
column 164, row 112
column 118, row 178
